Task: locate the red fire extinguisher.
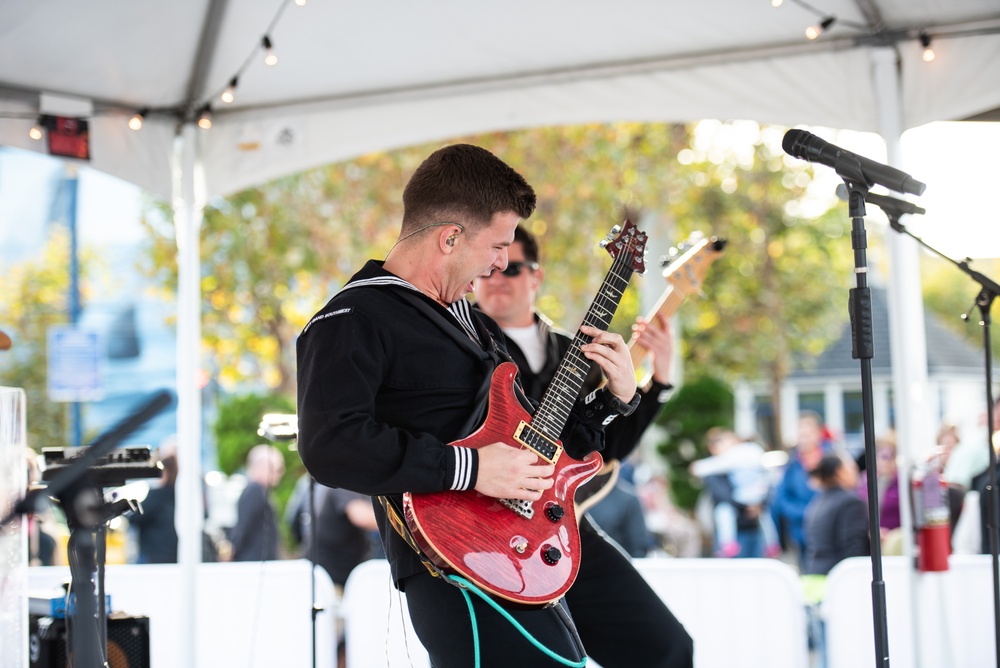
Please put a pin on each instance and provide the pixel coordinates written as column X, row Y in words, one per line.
column 931, row 519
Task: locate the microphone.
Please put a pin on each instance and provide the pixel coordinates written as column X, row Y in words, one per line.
column 890, row 205
column 807, row 146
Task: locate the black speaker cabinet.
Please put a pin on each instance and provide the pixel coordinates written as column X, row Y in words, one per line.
column 128, row 642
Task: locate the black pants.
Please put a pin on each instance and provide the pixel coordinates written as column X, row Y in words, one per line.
column 622, row 621
column 440, row 616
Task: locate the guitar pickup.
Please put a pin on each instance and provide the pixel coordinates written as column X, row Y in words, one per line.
column 545, row 447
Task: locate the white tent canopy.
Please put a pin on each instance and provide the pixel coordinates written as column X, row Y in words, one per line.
column 354, row 77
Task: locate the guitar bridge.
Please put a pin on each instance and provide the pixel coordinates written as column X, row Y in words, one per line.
column 519, row 506
column 542, row 445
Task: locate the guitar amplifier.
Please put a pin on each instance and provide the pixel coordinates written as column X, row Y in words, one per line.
column 128, row 642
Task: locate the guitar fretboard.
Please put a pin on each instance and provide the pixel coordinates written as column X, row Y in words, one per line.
column 561, row 394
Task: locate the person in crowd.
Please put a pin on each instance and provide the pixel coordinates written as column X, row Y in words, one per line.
column 255, row 536
column 621, row 620
column 740, row 488
column 794, row 492
column 888, row 490
column 397, row 365
column 970, row 458
column 946, row 442
column 836, row 520
column 981, row 494
column 157, row 534
column 836, row 527
column 675, row 532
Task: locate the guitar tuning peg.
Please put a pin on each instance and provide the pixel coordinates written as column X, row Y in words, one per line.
column 604, row 243
column 669, row 257
column 616, row 229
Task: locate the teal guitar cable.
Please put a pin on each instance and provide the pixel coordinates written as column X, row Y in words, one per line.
column 467, row 586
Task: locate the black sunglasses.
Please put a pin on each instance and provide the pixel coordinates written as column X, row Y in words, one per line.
column 514, row 268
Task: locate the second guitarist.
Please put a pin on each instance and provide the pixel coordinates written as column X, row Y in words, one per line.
column 623, row 623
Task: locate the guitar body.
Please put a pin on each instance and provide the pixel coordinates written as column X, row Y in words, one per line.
column 506, row 547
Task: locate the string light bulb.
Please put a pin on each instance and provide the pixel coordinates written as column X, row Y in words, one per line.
column 812, row 32
column 300, row 3
column 137, row 118
column 36, row 130
column 776, row 3
column 925, row 41
column 229, row 94
column 270, row 57
column 205, row 117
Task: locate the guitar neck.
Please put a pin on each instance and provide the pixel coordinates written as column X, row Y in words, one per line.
column 667, row 306
column 561, row 394
column 685, row 275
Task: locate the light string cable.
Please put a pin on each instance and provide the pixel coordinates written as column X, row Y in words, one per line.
column 136, row 114
column 263, row 43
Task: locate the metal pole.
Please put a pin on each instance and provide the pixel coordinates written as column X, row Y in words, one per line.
column 76, row 419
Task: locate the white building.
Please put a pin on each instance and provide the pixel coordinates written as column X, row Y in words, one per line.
column 831, row 385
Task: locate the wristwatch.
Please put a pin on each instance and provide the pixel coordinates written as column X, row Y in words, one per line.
column 619, row 406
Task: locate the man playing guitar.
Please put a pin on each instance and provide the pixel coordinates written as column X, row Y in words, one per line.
column 390, row 373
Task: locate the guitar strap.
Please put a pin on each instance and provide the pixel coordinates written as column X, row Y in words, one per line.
column 395, row 515
column 476, row 416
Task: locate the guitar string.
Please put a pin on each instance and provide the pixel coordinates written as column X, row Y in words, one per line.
column 559, row 403
column 555, row 406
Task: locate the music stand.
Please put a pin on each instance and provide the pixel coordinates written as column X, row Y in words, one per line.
column 84, row 507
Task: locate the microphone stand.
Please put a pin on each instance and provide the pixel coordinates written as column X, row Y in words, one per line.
column 863, row 348
column 279, row 427
column 984, row 300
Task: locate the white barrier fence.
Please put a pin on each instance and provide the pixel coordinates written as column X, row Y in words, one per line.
column 740, row 612
column 951, row 625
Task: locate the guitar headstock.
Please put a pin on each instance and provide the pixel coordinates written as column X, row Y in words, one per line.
column 686, row 266
column 628, row 242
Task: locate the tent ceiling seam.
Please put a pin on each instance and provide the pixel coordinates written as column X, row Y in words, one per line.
column 205, row 54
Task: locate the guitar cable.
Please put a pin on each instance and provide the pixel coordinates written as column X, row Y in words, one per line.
column 465, row 586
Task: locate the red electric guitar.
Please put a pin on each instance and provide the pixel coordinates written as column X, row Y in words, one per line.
column 527, row 552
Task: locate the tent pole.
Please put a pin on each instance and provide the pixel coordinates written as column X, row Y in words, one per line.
column 907, row 336
column 190, row 507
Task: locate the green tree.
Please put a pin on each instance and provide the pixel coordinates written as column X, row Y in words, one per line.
column 777, row 296
column 949, row 294
column 35, row 298
column 271, row 256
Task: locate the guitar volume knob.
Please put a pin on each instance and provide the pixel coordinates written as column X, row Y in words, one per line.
column 555, row 512
column 551, row 555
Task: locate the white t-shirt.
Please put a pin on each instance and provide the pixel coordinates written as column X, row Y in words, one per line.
column 530, row 343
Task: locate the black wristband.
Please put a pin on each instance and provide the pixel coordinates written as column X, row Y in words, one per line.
column 619, row 406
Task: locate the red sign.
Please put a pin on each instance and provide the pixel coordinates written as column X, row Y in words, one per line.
column 68, row 137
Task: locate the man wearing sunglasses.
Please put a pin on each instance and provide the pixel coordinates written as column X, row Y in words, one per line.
column 623, row 623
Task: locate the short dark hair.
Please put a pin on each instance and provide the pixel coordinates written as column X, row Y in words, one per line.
column 528, row 242
column 826, row 470
column 467, row 182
